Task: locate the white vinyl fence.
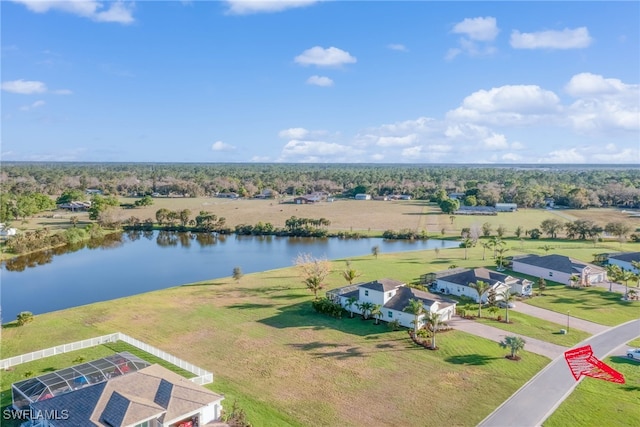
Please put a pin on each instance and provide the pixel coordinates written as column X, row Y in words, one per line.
column 201, row 376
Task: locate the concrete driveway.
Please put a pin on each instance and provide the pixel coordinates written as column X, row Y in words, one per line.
column 494, row 334
column 559, row 318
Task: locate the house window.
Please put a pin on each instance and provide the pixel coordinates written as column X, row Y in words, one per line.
column 144, row 424
column 390, row 314
column 551, row 274
column 389, row 294
column 366, row 293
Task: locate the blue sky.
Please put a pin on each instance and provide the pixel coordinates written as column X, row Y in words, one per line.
column 330, row 81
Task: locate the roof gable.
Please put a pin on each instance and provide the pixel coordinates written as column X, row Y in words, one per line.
column 382, row 285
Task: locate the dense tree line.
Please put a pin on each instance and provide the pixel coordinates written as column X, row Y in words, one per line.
column 573, row 186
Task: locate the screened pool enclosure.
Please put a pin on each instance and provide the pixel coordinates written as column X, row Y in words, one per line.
column 65, row 380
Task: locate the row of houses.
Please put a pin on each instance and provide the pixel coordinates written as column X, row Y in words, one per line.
column 393, row 296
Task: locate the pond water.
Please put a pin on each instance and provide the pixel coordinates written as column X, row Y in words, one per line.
column 135, row 262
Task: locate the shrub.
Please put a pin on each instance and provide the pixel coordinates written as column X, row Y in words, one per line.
column 326, row 306
column 24, row 317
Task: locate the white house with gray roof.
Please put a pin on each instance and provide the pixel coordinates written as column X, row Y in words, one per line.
column 624, row 260
column 457, row 281
column 559, row 268
column 393, row 296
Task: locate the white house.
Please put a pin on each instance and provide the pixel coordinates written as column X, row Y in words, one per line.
column 4, row 231
column 624, row 259
column 506, row 207
column 393, row 296
column 361, row 196
column 458, row 281
column 559, row 268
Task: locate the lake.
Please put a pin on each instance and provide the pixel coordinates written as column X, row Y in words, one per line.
column 136, row 262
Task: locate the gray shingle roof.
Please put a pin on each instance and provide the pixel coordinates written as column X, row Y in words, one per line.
column 382, row 285
column 626, row 256
column 554, row 262
column 401, row 299
column 465, row 276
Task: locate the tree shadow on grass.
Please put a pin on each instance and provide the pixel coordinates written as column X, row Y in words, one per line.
column 346, row 351
column 249, row 306
column 621, row 360
column 471, row 359
column 13, row 324
column 204, row 284
column 302, row 315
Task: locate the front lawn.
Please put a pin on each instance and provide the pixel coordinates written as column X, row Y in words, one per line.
column 597, row 305
column 534, row 327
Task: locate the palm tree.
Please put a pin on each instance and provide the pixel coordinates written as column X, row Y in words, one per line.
column 481, row 288
column 375, row 251
column 514, row 343
column 416, row 308
column 500, row 258
column 376, row 312
column 625, row 276
column 613, row 272
column 467, row 243
column 507, row 297
column 314, row 284
column 433, row 320
column 350, row 302
column 350, row 275
column 574, row 279
column 485, row 246
column 494, row 243
column 365, row 308
column 542, row 285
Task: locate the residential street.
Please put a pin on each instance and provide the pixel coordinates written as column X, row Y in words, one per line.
column 538, row 398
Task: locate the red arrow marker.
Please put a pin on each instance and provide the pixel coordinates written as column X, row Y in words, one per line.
column 581, row 361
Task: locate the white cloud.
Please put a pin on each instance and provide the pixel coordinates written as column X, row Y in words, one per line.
column 587, row 85
column 260, row 159
column 222, row 146
column 511, row 157
column 480, row 29
column 478, row 33
column 244, row 7
column 320, row 81
column 293, row 133
column 394, row 141
column 507, row 105
column 330, row 57
column 627, row 155
column 30, row 87
column 36, row 104
column 604, row 105
column 566, row 39
column 24, row 87
column 517, row 146
column 570, row 155
column 398, row 47
column 117, row 11
column 495, row 141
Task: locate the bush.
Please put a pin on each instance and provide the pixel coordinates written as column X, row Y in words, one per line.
column 326, row 306
column 24, row 317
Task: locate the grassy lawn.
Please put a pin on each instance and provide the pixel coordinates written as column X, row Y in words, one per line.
column 594, row 304
column 534, row 327
column 287, row 365
column 600, row 403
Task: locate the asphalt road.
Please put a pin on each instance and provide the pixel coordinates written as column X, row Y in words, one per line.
column 537, row 399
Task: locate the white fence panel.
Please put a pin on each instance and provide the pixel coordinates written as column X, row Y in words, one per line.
column 202, row 376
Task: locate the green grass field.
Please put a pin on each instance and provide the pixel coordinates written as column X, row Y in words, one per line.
column 286, row 364
column 534, row 327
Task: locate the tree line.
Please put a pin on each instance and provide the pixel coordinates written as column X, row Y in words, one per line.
column 573, row 186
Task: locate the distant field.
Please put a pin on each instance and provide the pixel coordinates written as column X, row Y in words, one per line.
column 369, row 215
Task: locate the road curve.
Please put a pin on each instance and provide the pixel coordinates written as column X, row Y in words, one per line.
column 535, row 401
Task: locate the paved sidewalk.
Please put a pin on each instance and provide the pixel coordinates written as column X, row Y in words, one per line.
column 533, row 345
column 559, row 318
column 537, row 399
